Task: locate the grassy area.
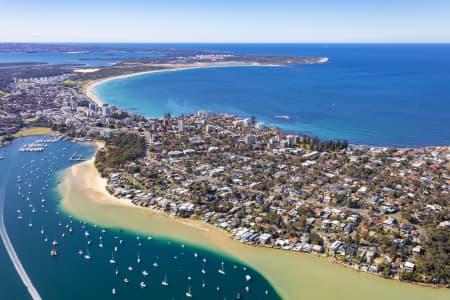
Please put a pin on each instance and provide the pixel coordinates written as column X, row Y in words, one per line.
column 33, row 131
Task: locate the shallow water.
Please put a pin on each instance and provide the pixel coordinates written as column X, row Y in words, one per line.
column 70, row 275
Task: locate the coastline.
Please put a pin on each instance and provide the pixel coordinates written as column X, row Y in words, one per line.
column 89, row 87
column 84, row 194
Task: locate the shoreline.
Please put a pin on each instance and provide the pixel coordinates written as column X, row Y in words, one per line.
column 83, row 183
column 89, row 87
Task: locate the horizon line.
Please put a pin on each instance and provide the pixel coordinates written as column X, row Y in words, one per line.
column 205, row 42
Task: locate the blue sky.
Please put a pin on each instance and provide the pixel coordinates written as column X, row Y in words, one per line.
column 225, row 21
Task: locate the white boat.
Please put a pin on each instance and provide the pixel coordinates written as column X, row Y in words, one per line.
column 155, row 264
column 195, row 255
column 142, row 285
column 80, row 252
column 130, row 268
column 114, row 291
column 112, row 260
column 87, row 256
column 188, row 293
column 138, row 260
column 248, row 277
column 86, row 233
column 116, row 272
column 238, row 295
column 247, row 289
column 164, row 282
column 144, row 273
column 189, row 277
column 221, row 270
column 149, row 238
column 203, row 284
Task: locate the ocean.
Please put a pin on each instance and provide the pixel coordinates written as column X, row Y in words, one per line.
column 69, row 275
column 371, row 94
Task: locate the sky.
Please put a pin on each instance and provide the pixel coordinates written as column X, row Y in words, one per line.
column 244, row 21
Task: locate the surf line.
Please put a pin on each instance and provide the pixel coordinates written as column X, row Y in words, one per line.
column 11, row 251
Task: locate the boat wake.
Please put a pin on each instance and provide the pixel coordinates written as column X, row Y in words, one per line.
column 12, row 252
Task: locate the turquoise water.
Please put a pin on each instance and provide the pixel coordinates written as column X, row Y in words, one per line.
column 384, row 95
column 71, row 276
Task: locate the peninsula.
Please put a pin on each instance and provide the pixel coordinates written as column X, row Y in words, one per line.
column 378, row 210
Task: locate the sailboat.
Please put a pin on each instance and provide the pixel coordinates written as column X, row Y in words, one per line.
column 203, row 268
column 164, row 282
column 221, row 270
column 138, row 260
column 112, row 260
column 114, row 291
column 188, row 293
column 87, row 256
column 144, row 273
column 142, row 285
column 203, row 284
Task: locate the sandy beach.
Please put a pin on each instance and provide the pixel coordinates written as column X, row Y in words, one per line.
column 293, row 275
column 89, row 88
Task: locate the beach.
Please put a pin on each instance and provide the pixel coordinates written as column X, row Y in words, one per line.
column 293, row 275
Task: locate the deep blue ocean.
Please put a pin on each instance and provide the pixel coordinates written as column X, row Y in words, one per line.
column 374, row 94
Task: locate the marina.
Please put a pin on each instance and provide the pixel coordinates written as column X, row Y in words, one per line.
column 122, row 266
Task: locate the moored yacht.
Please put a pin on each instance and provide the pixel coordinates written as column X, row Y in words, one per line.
column 112, row 260
column 221, row 270
column 188, row 293
column 164, row 282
